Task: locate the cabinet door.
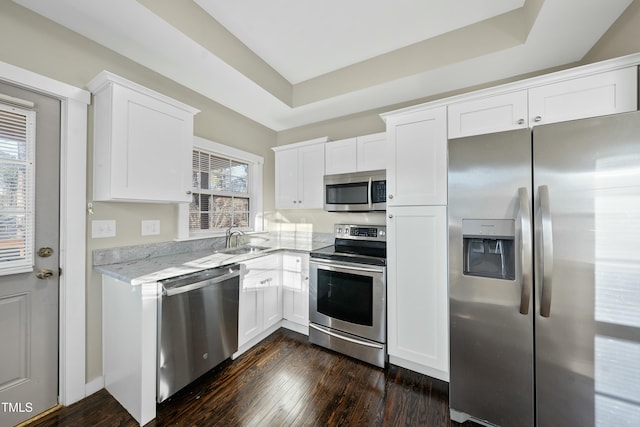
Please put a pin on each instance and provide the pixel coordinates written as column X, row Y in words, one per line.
column 487, row 115
column 591, row 96
column 272, row 306
column 340, row 156
column 151, row 145
column 295, row 287
column 250, row 315
column 417, row 155
column 287, row 179
column 418, row 317
column 310, row 177
column 372, row 152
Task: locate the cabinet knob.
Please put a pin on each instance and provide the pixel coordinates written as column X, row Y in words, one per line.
column 189, row 192
column 537, row 119
column 521, row 122
column 390, row 215
column 295, row 201
column 299, row 201
column 391, row 196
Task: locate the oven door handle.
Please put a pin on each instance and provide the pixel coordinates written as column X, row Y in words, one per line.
column 342, row 337
column 370, row 193
column 328, row 264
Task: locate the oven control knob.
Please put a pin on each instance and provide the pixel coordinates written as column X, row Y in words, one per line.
column 381, row 233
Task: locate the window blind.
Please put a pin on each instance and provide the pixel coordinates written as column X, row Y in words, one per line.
column 17, row 189
column 220, row 194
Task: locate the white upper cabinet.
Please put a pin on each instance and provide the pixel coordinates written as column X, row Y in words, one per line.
column 341, row 156
column 362, row 153
column 417, row 158
column 590, row 96
column 372, row 152
column 548, row 101
column 142, row 143
column 497, row 113
column 299, row 175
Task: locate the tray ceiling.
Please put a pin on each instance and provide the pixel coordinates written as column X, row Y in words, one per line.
column 288, row 63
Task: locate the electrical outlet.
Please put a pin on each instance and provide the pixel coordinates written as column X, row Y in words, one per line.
column 103, row 228
column 150, row 227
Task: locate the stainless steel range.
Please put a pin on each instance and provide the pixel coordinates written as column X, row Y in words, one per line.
column 348, row 293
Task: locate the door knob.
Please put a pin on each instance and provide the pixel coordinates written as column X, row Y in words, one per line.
column 44, row 274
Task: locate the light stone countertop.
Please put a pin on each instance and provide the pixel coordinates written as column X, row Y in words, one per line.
column 151, row 269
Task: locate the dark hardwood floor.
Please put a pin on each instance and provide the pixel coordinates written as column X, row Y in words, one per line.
column 284, row 381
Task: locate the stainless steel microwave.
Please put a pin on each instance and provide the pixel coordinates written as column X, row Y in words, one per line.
column 356, row 192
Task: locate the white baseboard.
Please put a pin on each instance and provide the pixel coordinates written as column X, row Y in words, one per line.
column 255, row 340
column 295, row 327
column 421, row 369
column 94, row 386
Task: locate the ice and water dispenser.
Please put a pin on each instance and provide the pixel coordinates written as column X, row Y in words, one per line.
column 489, row 248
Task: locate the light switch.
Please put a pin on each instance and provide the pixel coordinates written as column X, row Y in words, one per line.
column 150, row 227
column 103, row 228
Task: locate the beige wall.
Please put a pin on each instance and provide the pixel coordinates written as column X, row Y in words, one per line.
column 39, row 45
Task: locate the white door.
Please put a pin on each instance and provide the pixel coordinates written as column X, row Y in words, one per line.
column 29, row 235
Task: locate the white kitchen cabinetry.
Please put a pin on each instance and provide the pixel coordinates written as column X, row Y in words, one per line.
column 417, row 158
column 295, row 288
column 362, row 153
column 260, row 304
column 489, row 114
column 341, row 156
column 372, row 151
column 590, row 96
column 129, row 337
column 142, row 143
column 299, row 175
column 547, row 102
column 418, row 315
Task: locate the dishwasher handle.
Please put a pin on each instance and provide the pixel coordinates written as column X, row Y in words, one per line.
column 199, row 284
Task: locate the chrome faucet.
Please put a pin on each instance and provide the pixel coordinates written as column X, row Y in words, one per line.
column 230, row 234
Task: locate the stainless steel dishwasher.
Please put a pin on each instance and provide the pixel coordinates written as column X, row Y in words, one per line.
column 197, row 326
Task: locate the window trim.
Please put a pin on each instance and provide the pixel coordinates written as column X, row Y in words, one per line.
column 255, row 163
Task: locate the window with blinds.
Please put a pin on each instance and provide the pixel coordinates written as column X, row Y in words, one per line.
column 17, row 144
column 220, row 193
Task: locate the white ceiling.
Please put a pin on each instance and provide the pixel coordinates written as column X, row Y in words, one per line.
column 302, row 39
column 333, row 58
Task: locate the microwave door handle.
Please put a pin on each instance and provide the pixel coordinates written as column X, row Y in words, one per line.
column 370, row 193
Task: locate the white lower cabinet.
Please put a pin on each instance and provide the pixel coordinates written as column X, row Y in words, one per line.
column 418, row 314
column 260, row 305
column 295, row 288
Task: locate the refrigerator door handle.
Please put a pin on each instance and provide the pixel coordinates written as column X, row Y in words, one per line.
column 546, row 258
column 525, row 222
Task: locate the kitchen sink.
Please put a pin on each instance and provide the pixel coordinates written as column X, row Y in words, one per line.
column 243, row 250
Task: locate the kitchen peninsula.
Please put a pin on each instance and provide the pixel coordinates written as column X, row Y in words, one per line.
column 131, row 292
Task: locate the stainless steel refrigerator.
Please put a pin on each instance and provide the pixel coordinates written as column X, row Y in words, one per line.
column 544, row 275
